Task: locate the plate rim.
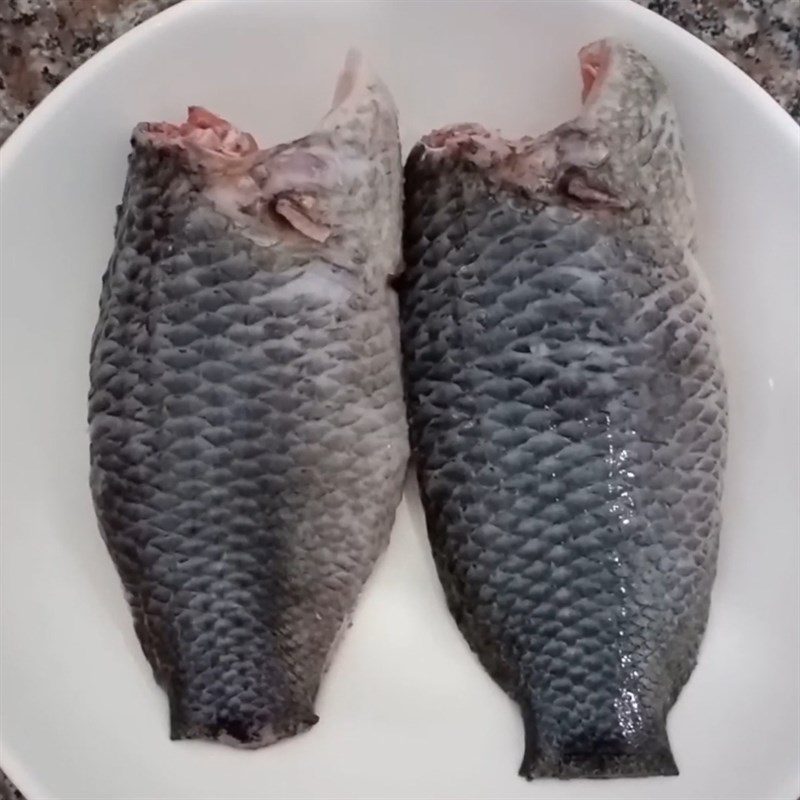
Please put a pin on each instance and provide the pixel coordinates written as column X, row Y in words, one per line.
column 13, row 148
column 39, row 116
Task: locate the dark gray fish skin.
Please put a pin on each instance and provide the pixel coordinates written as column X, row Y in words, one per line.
column 248, row 434
column 567, row 414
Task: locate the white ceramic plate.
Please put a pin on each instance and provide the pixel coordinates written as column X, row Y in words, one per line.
column 406, row 711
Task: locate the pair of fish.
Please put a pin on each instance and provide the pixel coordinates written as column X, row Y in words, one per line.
column 565, row 405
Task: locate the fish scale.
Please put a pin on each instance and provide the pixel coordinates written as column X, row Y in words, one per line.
column 567, row 415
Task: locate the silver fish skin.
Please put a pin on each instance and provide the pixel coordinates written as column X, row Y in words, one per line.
column 568, row 415
column 248, row 433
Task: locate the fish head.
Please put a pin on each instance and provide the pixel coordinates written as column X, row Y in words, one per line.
column 624, row 152
column 333, row 196
column 621, row 160
column 622, row 90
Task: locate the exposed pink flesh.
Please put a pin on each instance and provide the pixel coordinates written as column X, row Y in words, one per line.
column 595, row 60
column 213, row 140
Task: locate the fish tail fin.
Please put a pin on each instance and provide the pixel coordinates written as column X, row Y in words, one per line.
column 235, row 724
column 596, row 756
column 533, row 752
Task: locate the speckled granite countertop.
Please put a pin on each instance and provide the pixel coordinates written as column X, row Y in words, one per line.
column 43, row 41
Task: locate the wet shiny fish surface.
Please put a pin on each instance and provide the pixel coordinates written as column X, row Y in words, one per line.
column 248, row 434
column 567, row 412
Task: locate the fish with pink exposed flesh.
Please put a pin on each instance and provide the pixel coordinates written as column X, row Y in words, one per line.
column 248, row 434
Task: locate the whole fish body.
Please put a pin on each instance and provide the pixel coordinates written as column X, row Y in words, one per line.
column 567, row 413
column 248, row 434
